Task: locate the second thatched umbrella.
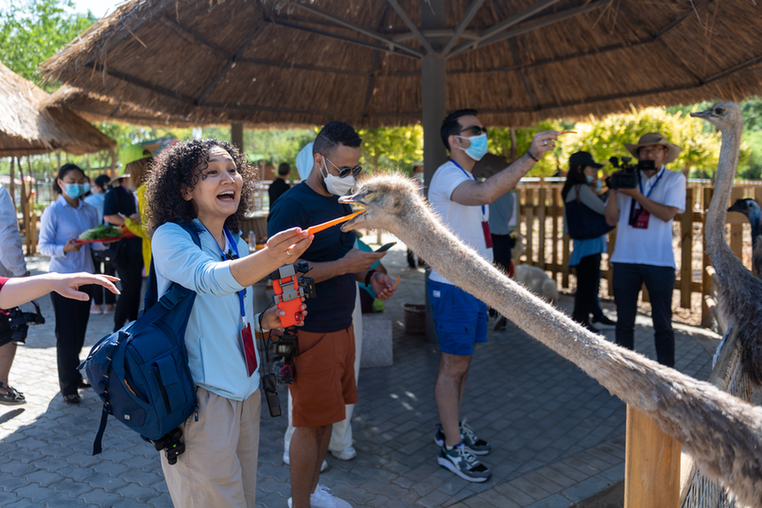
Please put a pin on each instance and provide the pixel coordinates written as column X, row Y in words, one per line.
column 28, row 127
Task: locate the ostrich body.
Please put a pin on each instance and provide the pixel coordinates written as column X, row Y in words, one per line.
column 722, row 433
column 740, row 298
column 753, row 212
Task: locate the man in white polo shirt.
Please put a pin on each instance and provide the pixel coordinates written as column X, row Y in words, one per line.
column 643, row 253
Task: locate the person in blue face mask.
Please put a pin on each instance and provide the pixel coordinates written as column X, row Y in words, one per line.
column 461, row 320
column 61, row 224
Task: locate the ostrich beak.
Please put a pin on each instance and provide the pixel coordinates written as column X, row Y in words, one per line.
column 703, row 114
column 354, row 199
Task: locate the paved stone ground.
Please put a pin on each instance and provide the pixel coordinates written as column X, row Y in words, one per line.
column 557, row 435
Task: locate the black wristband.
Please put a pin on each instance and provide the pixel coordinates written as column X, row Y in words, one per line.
column 368, row 276
column 532, row 156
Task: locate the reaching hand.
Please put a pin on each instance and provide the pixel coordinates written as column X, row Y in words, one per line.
column 288, row 245
column 356, row 260
column 543, row 142
column 68, row 284
column 383, row 285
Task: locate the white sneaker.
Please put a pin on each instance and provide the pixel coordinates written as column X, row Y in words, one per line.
column 345, row 454
column 322, row 498
column 287, row 461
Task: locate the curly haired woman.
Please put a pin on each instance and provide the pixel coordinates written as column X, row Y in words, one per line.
column 210, row 184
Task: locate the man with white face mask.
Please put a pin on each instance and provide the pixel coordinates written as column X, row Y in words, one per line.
column 324, row 379
column 461, row 319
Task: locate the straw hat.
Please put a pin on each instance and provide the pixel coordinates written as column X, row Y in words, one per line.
column 654, row 138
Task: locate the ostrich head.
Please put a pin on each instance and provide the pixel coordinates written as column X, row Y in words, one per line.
column 388, row 201
column 726, row 116
column 749, row 208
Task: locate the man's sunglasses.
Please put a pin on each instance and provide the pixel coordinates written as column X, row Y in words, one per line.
column 344, row 172
column 475, row 130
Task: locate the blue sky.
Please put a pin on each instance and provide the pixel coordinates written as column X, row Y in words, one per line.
column 98, row 7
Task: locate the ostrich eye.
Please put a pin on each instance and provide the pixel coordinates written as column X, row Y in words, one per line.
column 720, row 111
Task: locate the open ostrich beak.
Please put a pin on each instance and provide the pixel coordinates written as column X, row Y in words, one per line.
column 354, row 199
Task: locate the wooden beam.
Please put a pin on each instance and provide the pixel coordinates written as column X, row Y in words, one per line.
column 359, row 29
column 319, row 68
column 413, row 29
column 462, row 25
column 530, row 27
column 502, row 26
column 343, row 38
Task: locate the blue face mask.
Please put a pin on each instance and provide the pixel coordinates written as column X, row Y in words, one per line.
column 478, row 148
column 74, row 190
column 85, row 188
column 589, row 178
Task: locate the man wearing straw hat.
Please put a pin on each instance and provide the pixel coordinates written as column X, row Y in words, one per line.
column 643, row 253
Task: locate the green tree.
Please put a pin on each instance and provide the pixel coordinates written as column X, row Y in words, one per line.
column 32, row 31
column 392, row 148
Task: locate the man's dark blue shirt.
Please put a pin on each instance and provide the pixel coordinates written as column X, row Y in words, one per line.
column 301, row 206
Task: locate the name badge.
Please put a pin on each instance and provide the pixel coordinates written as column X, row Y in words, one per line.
column 250, row 354
column 487, row 234
column 641, row 219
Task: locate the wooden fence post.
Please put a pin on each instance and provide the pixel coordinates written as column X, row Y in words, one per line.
column 529, row 212
column 652, row 464
column 706, row 279
column 686, row 245
column 541, row 195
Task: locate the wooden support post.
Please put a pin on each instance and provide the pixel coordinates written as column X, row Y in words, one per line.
column 686, row 250
column 652, row 464
column 706, row 279
column 555, row 213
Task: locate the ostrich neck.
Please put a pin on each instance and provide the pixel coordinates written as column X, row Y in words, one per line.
column 717, row 246
column 693, row 412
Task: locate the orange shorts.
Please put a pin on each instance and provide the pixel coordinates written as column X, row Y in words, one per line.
column 324, row 377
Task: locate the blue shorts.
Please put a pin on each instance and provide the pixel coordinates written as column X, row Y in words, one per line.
column 460, row 319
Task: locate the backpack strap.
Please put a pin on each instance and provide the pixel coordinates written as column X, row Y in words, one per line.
column 97, row 444
column 152, row 287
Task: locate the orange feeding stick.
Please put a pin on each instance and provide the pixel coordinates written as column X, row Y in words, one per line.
column 567, row 132
column 398, row 281
column 320, row 227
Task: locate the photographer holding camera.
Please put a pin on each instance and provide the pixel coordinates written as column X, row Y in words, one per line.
column 643, row 252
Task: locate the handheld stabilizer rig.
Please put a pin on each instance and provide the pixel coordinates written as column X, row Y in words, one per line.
column 289, row 289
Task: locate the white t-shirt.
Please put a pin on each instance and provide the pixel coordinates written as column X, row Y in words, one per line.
column 464, row 221
column 652, row 245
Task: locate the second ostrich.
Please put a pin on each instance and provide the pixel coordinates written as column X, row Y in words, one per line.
column 722, row 433
column 740, row 296
column 753, row 212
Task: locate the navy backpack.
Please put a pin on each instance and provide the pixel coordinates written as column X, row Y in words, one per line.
column 141, row 371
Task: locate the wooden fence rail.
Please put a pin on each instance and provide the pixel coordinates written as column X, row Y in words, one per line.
column 541, row 222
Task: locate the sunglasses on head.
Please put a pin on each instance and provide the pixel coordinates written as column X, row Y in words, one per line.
column 475, row 130
column 344, row 172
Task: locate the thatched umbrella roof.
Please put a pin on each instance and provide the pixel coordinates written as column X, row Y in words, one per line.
column 516, row 61
column 100, row 108
column 27, row 127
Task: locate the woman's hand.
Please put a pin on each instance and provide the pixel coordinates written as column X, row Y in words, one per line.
column 288, row 245
column 72, row 246
column 271, row 318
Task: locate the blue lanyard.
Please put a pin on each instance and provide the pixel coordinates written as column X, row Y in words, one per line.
column 640, row 183
column 232, row 243
column 484, row 211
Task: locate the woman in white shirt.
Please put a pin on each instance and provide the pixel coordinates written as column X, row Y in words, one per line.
column 62, row 222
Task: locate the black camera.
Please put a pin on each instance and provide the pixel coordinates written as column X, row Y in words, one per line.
column 627, row 176
column 17, row 322
column 284, row 350
column 171, row 444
